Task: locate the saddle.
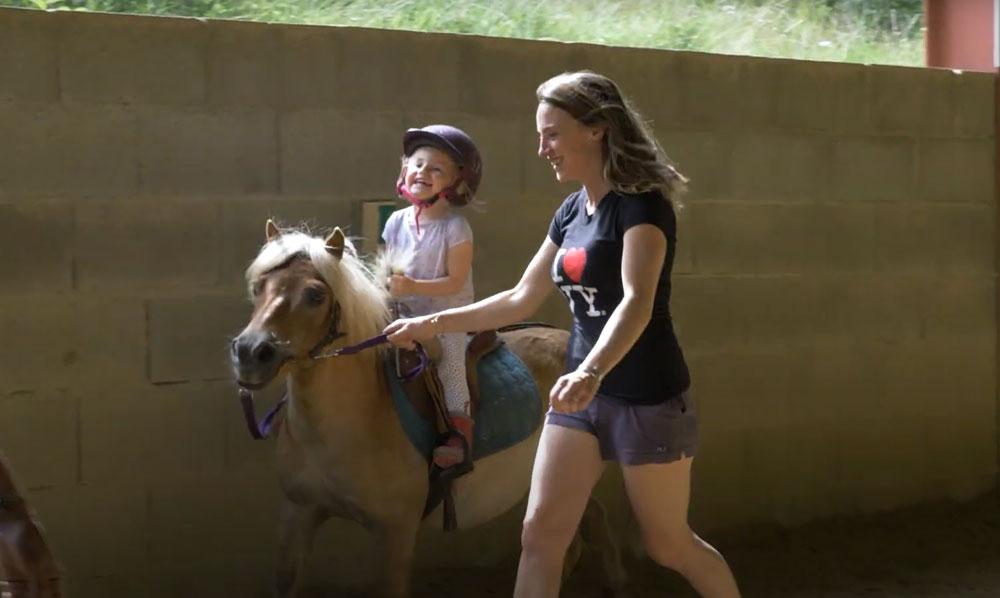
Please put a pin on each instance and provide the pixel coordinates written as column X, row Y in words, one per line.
column 425, row 392
column 426, row 396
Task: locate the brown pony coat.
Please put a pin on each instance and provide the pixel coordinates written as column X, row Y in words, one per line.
column 27, row 567
column 341, row 450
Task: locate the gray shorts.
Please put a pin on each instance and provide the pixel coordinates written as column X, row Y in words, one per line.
column 637, row 434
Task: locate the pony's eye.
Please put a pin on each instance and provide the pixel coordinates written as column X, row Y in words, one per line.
column 315, row 295
column 257, row 288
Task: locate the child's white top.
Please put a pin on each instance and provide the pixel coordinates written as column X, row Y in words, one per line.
column 427, row 254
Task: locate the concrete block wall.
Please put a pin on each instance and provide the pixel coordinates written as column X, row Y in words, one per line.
column 835, row 287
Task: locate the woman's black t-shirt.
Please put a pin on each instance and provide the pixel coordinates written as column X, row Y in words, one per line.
column 588, row 270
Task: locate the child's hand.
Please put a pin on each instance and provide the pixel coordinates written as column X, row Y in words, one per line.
column 400, row 285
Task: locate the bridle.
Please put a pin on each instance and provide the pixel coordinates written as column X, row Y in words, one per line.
column 261, row 429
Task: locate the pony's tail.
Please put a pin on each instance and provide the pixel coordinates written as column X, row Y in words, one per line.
column 389, row 261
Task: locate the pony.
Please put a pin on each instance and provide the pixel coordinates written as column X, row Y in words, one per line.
column 341, row 449
column 27, row 567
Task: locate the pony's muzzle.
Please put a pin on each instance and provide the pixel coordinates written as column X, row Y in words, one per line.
column 256, row 358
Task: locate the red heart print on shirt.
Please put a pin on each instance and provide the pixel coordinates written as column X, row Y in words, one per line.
column 573, row 262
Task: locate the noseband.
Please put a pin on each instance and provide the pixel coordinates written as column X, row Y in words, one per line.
column 262, row 429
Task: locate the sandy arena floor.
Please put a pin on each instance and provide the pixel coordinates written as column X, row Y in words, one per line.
column 941, row 550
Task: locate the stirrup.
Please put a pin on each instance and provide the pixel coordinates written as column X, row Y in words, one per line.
column 458, row 469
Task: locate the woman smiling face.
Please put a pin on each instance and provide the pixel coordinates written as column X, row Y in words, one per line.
column 573, row 149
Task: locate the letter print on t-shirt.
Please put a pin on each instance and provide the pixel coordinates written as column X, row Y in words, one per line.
column 567, row 272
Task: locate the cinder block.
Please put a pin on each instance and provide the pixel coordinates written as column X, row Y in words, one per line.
column 398, row 84
column 704, row 314
column 750, row 393
column 936, row 373
column 57, row 341
column 714, row 314
column 28, row 41
column 872, row 168
column 132, row 59
column 189, row 336
column 172, row 429
column 511, row 70
column 781, row 166
column 97, row 530
column 309, row 75
column 645, row 76
column 243, row 64
column 684, row 250
column 504, row 245
column 896, row 473
column 208, row 152
column 36, row 240
column 144, row 243
column 912, row 101
column 30, row 421
column 812, row 96
column 956, row 170
column 757, row 238
column 726, row 495
column 935, row 238
column 226, row 529
column 798, row 469
column 961, row 448
column 963, row 308
column 702, row 156
column 831, row 377
column 718, row 90
column 68, row 148
column 885, row 309
column 348, row 155
column 975, row 104
column 243, row 227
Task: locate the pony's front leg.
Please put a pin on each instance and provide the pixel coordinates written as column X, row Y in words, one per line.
column 396, row 542
column 297, row 528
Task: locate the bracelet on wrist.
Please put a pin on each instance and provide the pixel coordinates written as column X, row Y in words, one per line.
column 435, row 323
column 591, row 371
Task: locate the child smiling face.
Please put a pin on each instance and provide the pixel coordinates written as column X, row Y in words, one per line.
column 429, row 171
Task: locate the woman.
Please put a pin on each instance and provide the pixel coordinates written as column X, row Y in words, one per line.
column 610, row 250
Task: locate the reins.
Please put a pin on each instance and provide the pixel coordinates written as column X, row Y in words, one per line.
column 260, row 429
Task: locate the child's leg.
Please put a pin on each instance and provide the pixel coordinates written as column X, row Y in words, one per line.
column 451, row 371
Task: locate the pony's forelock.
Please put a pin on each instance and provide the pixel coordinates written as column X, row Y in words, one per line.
column 363, row 299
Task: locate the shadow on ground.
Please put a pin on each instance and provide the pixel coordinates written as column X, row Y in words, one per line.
column 928, row 551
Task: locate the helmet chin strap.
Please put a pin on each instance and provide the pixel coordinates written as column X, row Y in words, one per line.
column 418, row 203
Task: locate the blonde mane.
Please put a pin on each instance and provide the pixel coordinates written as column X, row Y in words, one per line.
column 364, row 310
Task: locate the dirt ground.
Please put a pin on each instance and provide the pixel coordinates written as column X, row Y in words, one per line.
column 939, row 550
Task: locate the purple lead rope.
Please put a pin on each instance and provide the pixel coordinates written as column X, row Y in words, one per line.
column 261, row 429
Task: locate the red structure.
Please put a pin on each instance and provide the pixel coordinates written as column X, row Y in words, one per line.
column 961, row 34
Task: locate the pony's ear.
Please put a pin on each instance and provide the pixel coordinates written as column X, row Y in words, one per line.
column 271, row 231
column 335, row 243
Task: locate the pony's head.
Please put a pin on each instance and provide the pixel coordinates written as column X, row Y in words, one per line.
column 306, row 292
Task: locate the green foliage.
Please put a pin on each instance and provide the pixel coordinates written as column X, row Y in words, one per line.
column 875, row 31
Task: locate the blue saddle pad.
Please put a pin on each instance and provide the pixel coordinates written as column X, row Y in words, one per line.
column 508, row 411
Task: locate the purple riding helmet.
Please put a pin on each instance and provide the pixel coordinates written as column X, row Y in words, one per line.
column 457, row 144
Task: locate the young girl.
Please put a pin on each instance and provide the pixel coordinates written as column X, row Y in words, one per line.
column 441, row 171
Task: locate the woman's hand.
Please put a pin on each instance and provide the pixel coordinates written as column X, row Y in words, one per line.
column 407, row 331
column 400, row 285
column 572, row 392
